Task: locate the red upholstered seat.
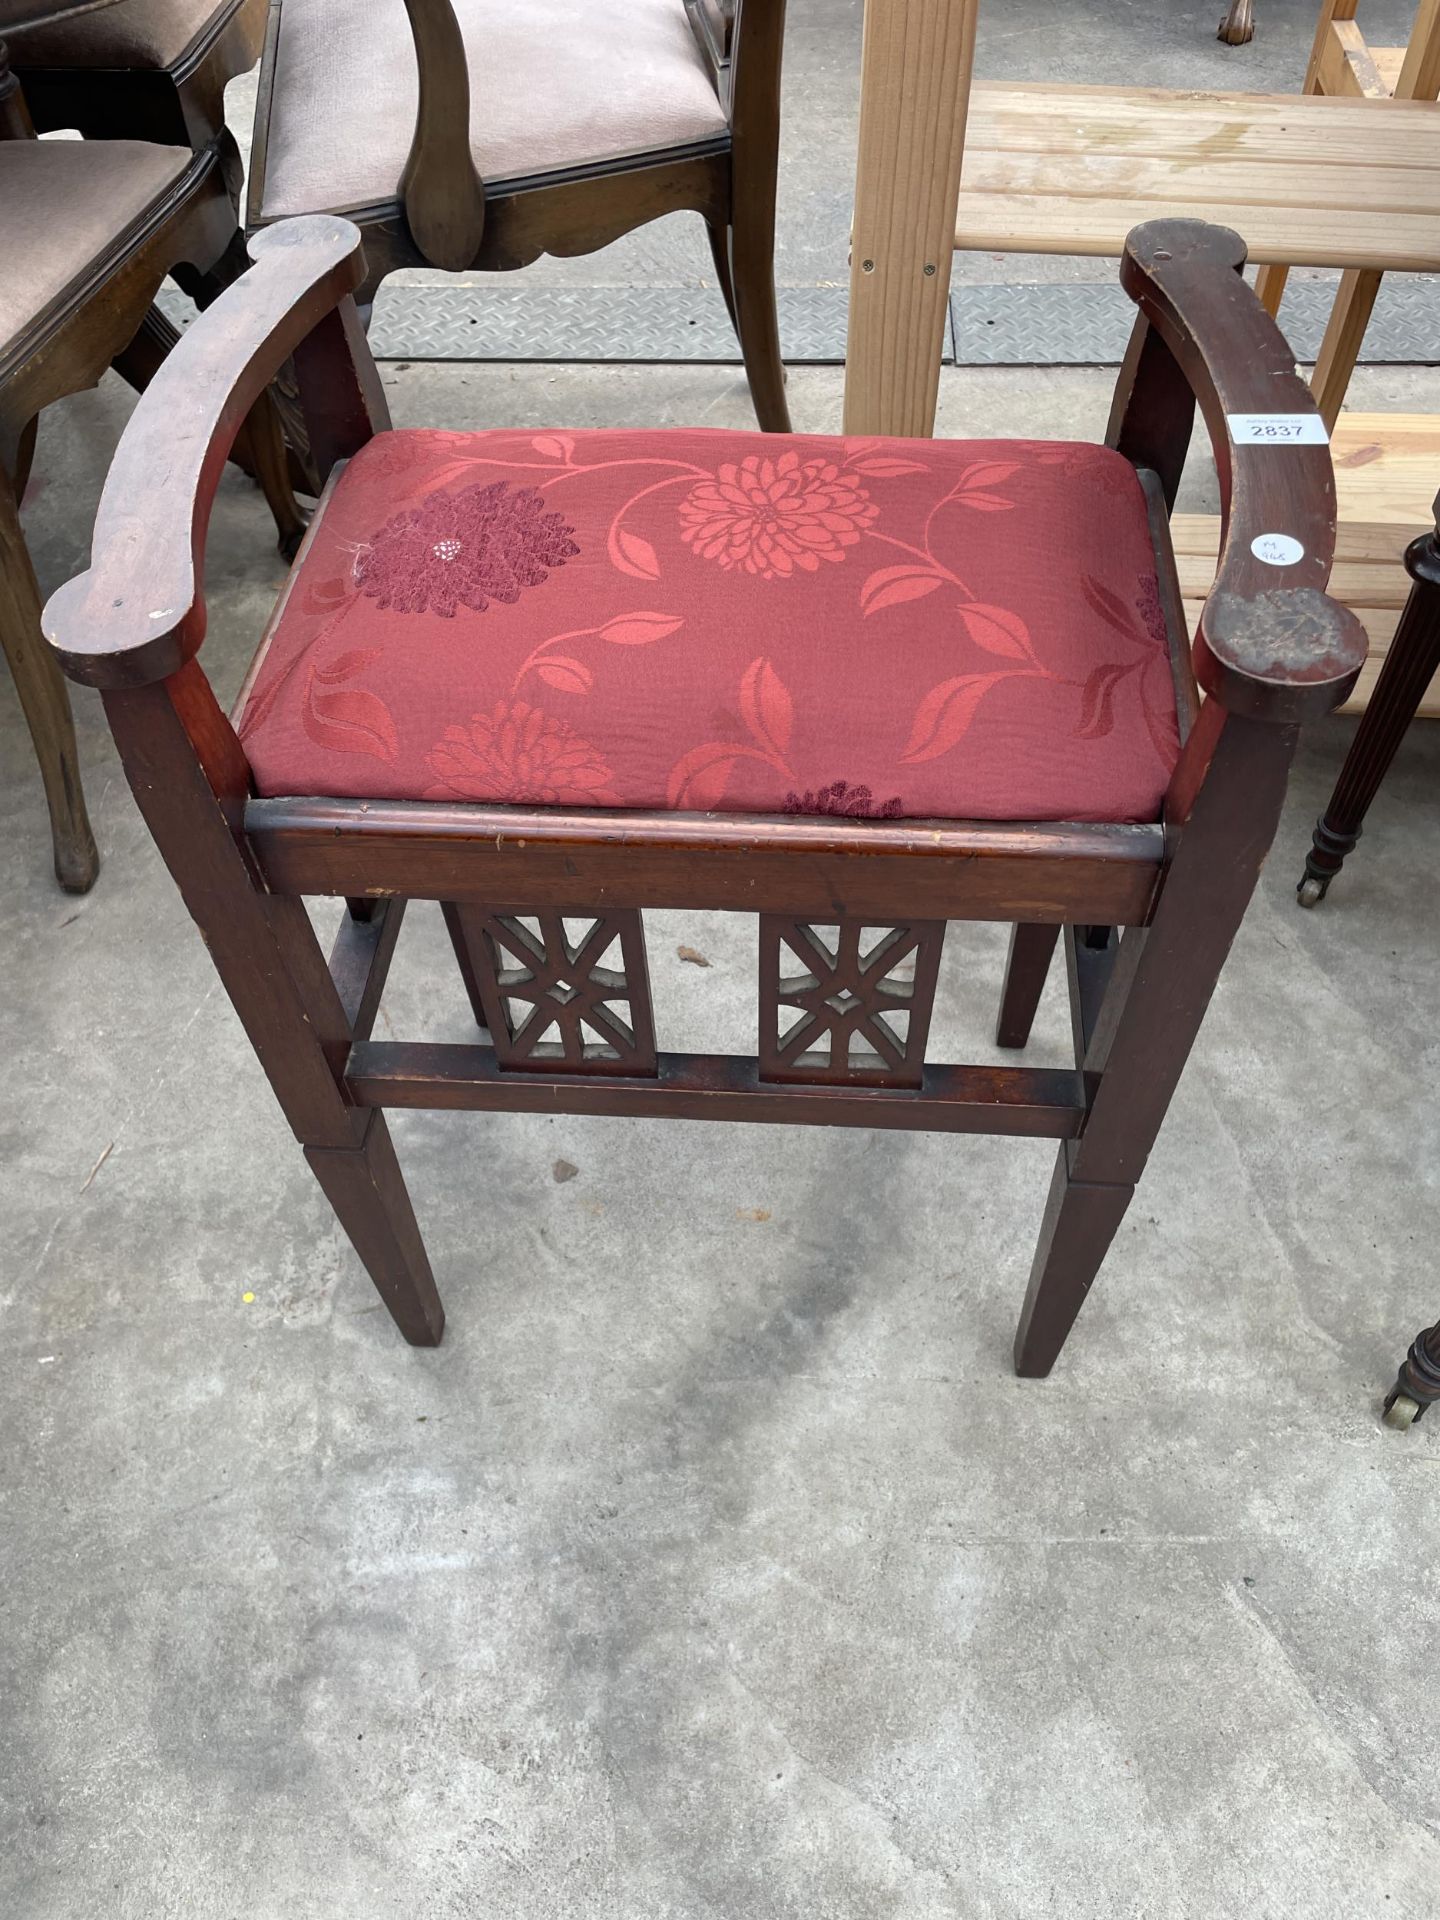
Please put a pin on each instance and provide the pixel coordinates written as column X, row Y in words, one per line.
column 744, row 622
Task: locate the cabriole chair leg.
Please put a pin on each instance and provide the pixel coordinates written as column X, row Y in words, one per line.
column 752, row 265
column 719, row 236
column 45, row 704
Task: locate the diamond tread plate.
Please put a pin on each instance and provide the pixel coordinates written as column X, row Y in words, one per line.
column 1050, row 324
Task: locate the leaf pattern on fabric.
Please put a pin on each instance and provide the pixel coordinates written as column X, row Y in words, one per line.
column 630, row 554
column 893, row 586
column 943, row 717
column 766, row 706
column 701, row 778
column 348, row 719
column 566, row 675
column 997, row 630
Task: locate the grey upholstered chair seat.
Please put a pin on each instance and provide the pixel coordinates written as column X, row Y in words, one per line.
column 553, row 84
column 129, row 33
column 62, row 205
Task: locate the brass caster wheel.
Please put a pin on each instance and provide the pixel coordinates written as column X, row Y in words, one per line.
column 1311, row 891
column 1401, row 1411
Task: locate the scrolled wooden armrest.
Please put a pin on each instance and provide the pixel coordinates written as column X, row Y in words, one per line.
column 1272, row 644
column 138, row 612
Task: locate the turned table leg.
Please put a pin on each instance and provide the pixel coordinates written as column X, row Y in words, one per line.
column 1417, row 1385
column 1409, row 668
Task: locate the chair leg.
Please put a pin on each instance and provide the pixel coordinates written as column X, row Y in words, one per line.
column 1159, row 987
column 279, row 982
column 366, row 1188
column 1238, row 26
column 265, row 456
column 719, row 235
column 465, row 960
column 139, row 363
column 1417, row 1385
column 1031, row 950
column 1081, row 1219
column 1410, row 666
column 45, row 704
column 752, row 267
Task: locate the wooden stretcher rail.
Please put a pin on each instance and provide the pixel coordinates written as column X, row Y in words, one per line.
column 1031, row 1101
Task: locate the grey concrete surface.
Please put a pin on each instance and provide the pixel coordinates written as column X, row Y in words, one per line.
column 716, row 1565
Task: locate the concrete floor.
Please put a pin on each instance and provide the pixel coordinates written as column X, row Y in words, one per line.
column 716, row 1565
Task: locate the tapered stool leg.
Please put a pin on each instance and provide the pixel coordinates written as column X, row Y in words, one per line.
column 1159, row 988
column 366, row 1188
column 270, row 963
column 1032, row 948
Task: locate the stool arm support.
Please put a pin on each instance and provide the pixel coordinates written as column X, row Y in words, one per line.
column 137, row 614
column 1271, row 644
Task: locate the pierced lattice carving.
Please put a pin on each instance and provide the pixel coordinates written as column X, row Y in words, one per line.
column 847, row 1002
column 563, row 992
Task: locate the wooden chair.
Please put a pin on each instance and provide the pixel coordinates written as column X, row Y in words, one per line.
column 88, row 230
column 1335, row 177
column 858, row 688
column 143, row 70
column 585, row 122
column 136, row 69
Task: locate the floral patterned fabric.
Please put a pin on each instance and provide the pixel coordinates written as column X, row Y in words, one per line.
column 732, row 621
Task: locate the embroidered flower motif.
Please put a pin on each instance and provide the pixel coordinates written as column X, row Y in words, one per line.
column 774, row 516
column 845, row 802
column 464, row 549
column 515, row 752
column 1148, row 596
column 1094, row 467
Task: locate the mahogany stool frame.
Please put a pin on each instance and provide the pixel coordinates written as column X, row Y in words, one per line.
column 1147, row 913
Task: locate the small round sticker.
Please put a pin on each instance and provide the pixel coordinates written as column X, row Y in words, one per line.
column 1277, row 549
